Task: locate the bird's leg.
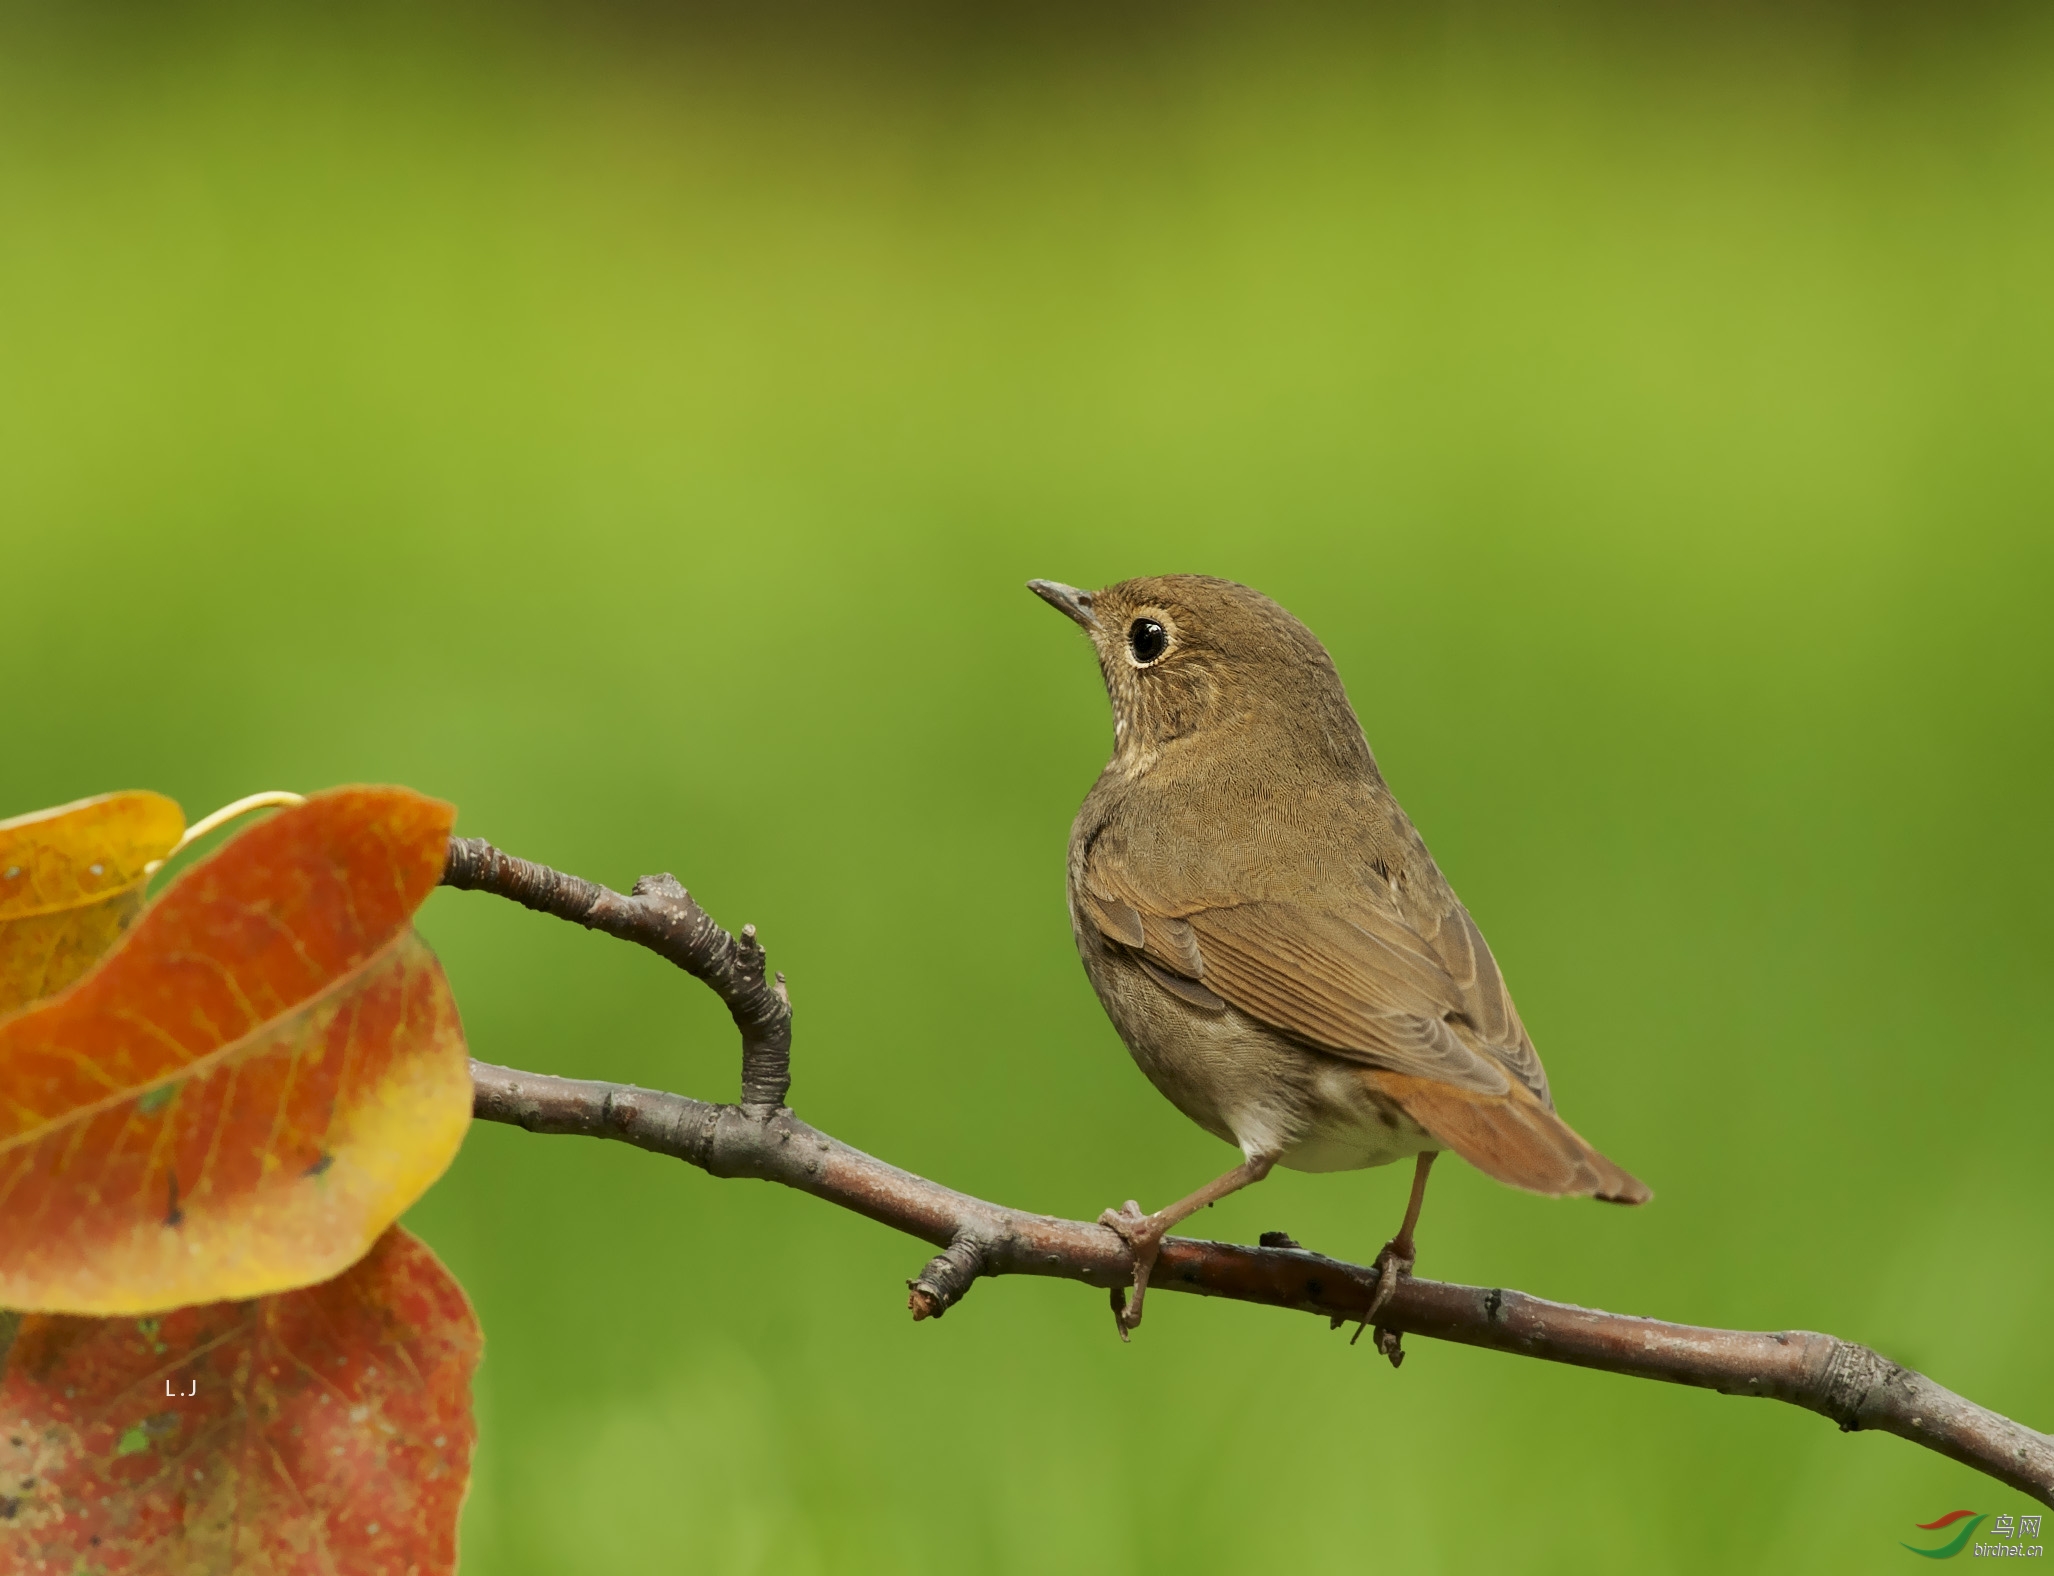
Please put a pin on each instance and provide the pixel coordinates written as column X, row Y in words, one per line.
column 1144, row 1234
column 1397, row 1258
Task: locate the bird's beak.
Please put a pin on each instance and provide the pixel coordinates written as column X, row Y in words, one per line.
column 1066, row 599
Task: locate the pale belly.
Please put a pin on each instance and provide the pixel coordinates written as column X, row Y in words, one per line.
column 1243, row 1082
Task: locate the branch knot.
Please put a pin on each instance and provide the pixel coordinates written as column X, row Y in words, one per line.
column 1851, row 1373
column 947, row 1278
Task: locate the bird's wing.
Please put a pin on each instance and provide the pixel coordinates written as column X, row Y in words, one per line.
column 1360, row 984
column 1163, row 944
column 1355, row 978
column 1433, row 912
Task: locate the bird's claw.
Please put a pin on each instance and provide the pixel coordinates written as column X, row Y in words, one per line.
column 1143, row 1238
column 1127, row 1222
column 1396, row 1259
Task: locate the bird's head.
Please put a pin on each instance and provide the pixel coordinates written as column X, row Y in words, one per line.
column 1187, row 656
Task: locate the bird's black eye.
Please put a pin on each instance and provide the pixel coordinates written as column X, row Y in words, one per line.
column 1147, row 640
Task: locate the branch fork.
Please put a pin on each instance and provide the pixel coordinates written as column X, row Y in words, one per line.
column 759, row 1137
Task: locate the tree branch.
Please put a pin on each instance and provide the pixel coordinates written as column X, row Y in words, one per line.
column 1850, row 1384
column 658, row 914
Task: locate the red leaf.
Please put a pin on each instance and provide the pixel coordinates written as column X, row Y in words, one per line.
column 258, row 1079
column 328, row 1431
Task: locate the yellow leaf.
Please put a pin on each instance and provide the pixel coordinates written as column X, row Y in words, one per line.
column 71, row 879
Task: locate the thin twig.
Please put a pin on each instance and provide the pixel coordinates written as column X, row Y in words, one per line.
column 1851, row 1384
column 658, row 914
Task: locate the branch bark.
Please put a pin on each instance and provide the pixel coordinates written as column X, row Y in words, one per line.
column 1851, row 1384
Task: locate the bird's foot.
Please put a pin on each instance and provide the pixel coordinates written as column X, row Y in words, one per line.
column 1143, row 1235
column 1395, row 1260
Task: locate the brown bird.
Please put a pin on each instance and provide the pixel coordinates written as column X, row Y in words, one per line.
column 1270, row 936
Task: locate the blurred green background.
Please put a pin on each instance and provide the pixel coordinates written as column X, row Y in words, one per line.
column 637, row 427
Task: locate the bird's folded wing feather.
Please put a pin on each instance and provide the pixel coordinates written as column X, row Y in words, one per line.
column 1355, row 979
column 1490, row 1018
column 1326, row 977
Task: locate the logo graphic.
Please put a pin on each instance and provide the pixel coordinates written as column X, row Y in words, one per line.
column 1957, row 1543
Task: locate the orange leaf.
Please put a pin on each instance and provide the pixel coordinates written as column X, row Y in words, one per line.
column 71, row 879
column 322, row 1431
column 251, row 1087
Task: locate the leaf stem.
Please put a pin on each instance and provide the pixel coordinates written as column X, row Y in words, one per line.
column 222, row 816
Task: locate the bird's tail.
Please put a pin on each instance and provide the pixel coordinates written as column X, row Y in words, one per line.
column 1511, row 1137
